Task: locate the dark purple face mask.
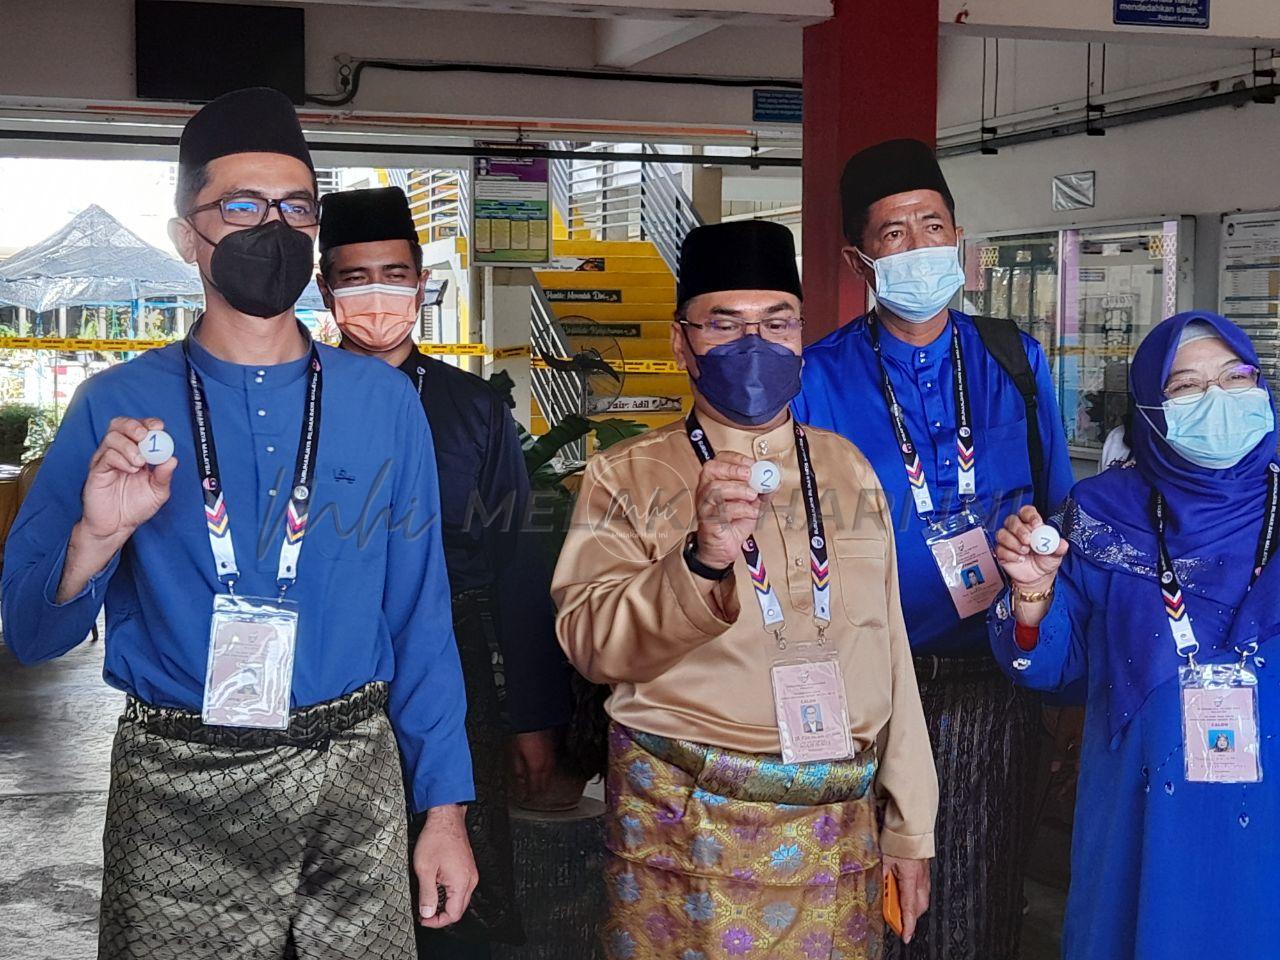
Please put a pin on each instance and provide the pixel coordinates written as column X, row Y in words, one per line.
column 749, row 380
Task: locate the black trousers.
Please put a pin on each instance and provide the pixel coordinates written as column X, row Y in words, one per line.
column 493, row 916
column 986, row 736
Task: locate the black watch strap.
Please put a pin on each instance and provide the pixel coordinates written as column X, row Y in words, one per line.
column 697, row 567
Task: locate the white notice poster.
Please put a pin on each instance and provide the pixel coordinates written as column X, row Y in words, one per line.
column 1249, row 281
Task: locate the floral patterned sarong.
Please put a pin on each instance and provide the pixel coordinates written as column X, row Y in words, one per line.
column 716, row 854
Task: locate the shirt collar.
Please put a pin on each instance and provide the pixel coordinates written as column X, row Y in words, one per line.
column 912, row 355
column 246, row 376
column 414, row 364
column 777, row 442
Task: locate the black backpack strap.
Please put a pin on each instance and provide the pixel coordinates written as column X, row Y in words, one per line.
column 1004, row 342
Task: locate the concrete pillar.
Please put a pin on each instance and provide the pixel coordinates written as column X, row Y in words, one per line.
column 507, row 304
column 705, row 192
column 870, row 74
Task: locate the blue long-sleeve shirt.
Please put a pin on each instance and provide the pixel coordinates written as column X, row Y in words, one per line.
column 842, row 392
column 373, row 594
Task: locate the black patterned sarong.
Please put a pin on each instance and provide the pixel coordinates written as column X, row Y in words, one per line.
column 986, row 743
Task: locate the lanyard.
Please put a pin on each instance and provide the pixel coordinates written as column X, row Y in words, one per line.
column 1175, row 604
column 819, row 565
column 215, row 505
column 966, row 455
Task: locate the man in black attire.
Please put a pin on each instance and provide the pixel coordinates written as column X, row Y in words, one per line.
column 372, row 279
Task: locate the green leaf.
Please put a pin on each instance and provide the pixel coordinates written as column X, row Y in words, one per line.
column 568, row 430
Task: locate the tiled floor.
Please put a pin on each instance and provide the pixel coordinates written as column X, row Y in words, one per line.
column 56, row 725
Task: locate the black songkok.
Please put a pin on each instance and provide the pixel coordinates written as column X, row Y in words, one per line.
column 741, row 255
column 895, row 166
column 254, row 120
column 365, row 216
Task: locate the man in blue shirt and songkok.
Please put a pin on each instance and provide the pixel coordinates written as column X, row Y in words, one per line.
column 277, row 603
column 958, row 418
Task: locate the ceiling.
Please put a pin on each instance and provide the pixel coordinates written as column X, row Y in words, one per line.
column 743, row 12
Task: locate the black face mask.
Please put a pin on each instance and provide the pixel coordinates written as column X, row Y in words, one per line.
column 263, row 270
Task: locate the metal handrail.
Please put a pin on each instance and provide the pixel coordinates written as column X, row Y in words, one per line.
column 559, row 393
column 668, row 213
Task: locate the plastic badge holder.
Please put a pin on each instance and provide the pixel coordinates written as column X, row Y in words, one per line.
column 812, row 710
column 962, row 550
column 1220, row 723
column 249, row 676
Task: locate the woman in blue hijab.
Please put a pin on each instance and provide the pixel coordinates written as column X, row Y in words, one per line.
column 1164, row 863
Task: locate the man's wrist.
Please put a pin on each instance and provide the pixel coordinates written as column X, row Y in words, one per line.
column 448, row 811
column 701, row 567
column 83, row 538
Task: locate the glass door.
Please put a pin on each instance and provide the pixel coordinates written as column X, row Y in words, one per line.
column 1117, row 283
column 1015, row 278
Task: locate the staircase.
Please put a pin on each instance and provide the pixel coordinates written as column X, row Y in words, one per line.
column 617, row 233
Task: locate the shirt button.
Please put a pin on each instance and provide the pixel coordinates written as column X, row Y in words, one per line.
column 799, row 562
column 937, row 424
column 262, row 413
column 946, row 463
column 923, row 356
column 271, row 492
column 262, row 373
column 257, row 379
column 271, row 448
column 928, row 384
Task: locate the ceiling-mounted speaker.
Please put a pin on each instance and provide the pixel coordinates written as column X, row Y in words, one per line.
column 196, row 52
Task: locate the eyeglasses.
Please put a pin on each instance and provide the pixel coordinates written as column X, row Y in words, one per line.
column 727, row 329
column 251, row 211
column 1188, row 388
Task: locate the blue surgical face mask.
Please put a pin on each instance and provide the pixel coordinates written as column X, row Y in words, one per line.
column 1217, row 429
column 917, row 285
column 749, row 380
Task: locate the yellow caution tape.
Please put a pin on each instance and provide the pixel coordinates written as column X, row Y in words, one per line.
column 510, row 353
column 630, row 366
column 78, row 343
column 119, row 345
column 454, row 349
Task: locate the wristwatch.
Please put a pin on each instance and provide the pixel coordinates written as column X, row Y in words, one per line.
column 697, row 567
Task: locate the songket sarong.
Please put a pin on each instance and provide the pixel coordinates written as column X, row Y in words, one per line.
column 715, row 854
column 225, row 843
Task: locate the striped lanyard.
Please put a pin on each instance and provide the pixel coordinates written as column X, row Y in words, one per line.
column 215, row 505
column 819, row 565
column 1175, row 603
column 966, row 455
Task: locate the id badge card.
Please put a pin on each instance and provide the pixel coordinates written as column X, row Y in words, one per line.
column 1220, row 723
column 250, row 672
column 812, row 709
column 962, row 551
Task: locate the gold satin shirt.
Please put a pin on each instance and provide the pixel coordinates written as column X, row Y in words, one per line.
column 694, row 666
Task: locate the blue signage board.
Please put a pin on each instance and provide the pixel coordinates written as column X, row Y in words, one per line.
column 777, row 106
column 1192, row 14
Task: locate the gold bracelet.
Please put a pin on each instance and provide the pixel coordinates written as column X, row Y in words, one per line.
column 1040, row 597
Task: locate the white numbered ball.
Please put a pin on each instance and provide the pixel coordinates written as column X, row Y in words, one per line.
column 766, row 476
column 156, row 447
column 1045, row 539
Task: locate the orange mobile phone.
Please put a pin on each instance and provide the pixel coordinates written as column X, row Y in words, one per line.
column 892, row 904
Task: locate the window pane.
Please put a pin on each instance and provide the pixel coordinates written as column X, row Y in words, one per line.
column 1117, row 284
